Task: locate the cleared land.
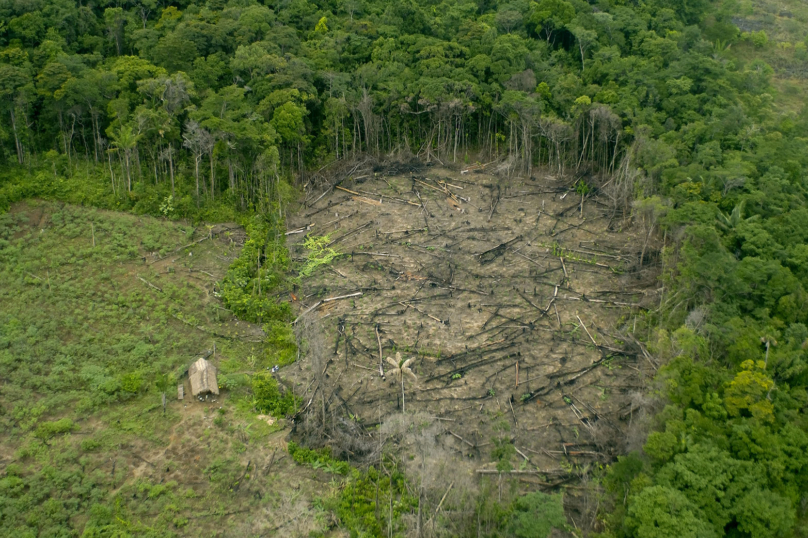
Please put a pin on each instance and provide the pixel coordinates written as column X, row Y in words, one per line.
column 516, row 302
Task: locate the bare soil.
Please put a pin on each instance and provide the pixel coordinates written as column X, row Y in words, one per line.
column 516, row 303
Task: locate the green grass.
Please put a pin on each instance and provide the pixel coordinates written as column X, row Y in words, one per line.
column 786, row 50
column 87, row 334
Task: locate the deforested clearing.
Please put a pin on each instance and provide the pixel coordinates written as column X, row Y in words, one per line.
column 515, row 301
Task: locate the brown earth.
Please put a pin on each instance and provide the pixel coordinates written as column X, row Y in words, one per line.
column 516, row 302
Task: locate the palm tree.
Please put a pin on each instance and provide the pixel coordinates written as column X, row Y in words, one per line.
column 126, row 140
column 731, row 221
column 400, row 369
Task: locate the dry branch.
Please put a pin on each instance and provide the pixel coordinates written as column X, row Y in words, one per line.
column 148, row 283
column 339, row 219
column 455, row 435
column 381, row 356
column 366, row 200
column 587, row 331
column 347, row 234
column 191, row 244
column 324, row 301
column 406, row 232
column 300, row 230
column 493, row 253
column 409, row 305
column 423, row 209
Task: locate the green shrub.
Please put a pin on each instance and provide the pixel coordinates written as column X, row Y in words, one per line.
column 759, row 39
column 131, row 382
column 535, row 515
column 319, row 253
column 280, row 343
column 46, row 430
column 91, row 444
column 269, row 398
column 317, row 459
column 355, row 504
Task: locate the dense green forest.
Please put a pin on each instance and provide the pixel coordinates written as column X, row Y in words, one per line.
column 202, row 109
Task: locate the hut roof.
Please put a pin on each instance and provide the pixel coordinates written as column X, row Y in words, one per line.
column 202, row 375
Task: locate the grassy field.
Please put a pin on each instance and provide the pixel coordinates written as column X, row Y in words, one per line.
column 785, row 48
column 100, row 312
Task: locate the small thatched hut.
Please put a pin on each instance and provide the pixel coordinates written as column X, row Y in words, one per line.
column 202, row 375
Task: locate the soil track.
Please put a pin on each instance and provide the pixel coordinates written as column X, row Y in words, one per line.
column 515, row 302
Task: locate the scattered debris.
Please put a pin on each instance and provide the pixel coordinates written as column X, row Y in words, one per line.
column 517, row 309
column 266, row 418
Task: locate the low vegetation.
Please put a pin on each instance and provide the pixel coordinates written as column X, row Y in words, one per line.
column 101, row 312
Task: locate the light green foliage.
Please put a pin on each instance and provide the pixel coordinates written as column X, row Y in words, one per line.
column 759, row 38
column 131, row 382
column 319, row 253
column 748, row 392
column 46, row 430
column 318, row 459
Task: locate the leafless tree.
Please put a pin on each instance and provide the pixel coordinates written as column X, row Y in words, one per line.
column 200, row 142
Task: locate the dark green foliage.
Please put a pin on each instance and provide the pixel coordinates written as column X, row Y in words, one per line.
column 535, row 515
column 502, row 453
column 258, row 270
column 367, row 500
column 660, row 512
column 268, row 397
column 363, row 505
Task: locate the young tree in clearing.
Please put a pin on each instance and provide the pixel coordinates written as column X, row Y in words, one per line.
column 400, row 369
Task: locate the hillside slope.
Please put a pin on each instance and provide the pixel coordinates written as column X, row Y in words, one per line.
column 100, row 312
